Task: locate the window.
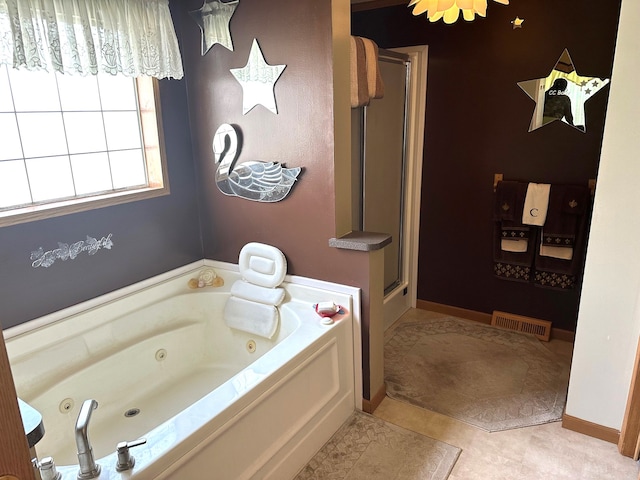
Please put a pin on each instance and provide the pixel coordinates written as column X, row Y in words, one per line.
column 70, row 143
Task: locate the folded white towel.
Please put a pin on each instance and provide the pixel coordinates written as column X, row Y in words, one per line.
column 251, row 317
column 536, row 204
column 563, row 253
column 517, row 246
column 256, row 293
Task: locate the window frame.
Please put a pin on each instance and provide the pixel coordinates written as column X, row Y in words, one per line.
column 150, row 115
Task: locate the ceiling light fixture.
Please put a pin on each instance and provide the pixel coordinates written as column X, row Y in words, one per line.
column 449, row 10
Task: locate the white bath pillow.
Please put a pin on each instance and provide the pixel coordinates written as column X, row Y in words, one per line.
column 251, row 317
column 262, row 264
column 256, row 293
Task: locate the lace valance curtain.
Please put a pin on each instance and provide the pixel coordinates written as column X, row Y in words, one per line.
column 129, row 37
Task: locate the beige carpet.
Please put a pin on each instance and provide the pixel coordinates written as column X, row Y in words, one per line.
column 366, row 447
column 492, row 378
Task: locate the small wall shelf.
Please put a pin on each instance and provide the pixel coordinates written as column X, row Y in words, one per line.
column 362, row 241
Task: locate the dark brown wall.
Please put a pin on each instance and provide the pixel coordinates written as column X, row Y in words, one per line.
column 153, row 236
column 149, row 236
column 477, row 121
column 297, row 34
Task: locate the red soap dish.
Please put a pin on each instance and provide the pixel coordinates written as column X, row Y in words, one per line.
column 326, row 312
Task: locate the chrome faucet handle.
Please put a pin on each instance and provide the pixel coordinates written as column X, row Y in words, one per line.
column 88, row 466
column 48, row 469
column 125, row 459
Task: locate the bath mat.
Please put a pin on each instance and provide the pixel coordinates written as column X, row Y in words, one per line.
column 488, row 377
column 366, row 447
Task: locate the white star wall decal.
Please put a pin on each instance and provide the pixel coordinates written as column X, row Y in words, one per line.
column 561, row 95
column 258, row 80
column 213, row 19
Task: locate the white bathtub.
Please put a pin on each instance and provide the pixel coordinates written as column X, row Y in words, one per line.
column 208, row 408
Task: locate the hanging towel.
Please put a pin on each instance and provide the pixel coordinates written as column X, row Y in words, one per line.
column 516, row 246
column 556, row 252
column 566, row 204
column 559, row 273
column 514, row 237
column 505, row 200
column 563, row 239
column 511, row 265
column 375, row 87
column 536, row 204
column 509, row 199
column 251, row 317
column 513, row 250
column 359, row 82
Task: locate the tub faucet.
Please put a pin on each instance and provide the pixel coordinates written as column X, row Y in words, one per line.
column 88, row 466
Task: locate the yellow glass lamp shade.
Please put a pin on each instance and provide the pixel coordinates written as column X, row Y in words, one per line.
column 449, row 10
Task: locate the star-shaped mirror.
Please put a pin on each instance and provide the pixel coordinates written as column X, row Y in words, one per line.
column 258, row 80
column 561, row 95
column 213, row 19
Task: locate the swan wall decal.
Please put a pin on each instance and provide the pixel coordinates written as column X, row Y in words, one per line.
column 252, row 180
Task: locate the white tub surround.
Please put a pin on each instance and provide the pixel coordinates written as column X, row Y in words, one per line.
column 211, row 401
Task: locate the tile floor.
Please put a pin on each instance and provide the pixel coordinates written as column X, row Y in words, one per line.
column 543, row 452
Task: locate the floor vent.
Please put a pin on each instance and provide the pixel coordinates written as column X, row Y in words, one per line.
column 539, row 328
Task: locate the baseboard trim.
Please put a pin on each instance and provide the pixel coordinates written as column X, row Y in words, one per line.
column 565, row 335
column 454, row 311
column 590, row 429
column 369, row 406
column 556, row 333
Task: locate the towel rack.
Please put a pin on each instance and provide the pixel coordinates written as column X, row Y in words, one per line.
column 498, row 177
